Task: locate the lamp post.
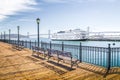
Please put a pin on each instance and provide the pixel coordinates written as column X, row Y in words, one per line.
column 9, row 35
column 38, row 21
column 18, row 27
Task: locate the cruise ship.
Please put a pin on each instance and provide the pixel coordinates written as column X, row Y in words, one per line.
column 73, row 35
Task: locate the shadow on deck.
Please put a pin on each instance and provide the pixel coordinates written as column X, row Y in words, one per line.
column 98, row 69
column 61, row 65
column 53, row 68
column 86, row 66
column 38, row 57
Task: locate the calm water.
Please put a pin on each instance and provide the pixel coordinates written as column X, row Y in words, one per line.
column 85, row 43
column 92, row 56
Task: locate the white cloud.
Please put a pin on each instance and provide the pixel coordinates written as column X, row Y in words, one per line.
column 66, row 1
column 26, row 20
column 102, row 0
column 2, row 17
column 11, row 7
column 55, row 1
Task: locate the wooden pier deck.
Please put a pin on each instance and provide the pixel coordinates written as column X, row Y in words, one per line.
column 20, row 65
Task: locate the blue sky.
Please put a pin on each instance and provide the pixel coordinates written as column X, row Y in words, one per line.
column 56, row 15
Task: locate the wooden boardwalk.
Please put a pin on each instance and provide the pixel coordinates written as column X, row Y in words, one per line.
column 20, row 65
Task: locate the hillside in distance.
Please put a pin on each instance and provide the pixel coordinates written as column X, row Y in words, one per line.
column 13, row 36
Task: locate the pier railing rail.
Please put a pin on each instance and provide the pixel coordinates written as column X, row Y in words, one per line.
column 107, row 57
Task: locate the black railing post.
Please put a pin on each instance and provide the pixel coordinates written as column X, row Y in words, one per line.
column 80, row 53
column 9, row 35
column 35, row 43
column 108, row 60
column 22, row 43
column 30, row 44
column 1, row 35
column 12, row 42
column 41, row 44
column 18, row 27
column 26, row 43
column 62, row 46
column 4, row 36
column 15, row 42
column 109, row 57
column 50, row 46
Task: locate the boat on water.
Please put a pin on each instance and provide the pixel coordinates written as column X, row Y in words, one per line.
column 71, row 35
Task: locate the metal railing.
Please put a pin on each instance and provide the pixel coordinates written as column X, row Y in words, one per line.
column 102, row 56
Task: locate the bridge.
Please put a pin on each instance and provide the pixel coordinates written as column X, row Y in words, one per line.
column 113, row 35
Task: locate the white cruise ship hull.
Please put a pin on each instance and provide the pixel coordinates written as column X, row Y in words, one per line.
column 71, row 35
column 69, row 39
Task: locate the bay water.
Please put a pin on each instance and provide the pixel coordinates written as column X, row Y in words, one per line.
column 94, row 56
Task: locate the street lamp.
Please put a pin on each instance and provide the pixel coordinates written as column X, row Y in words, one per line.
column 9, row 35
column 18, row 27
column 38, row 21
